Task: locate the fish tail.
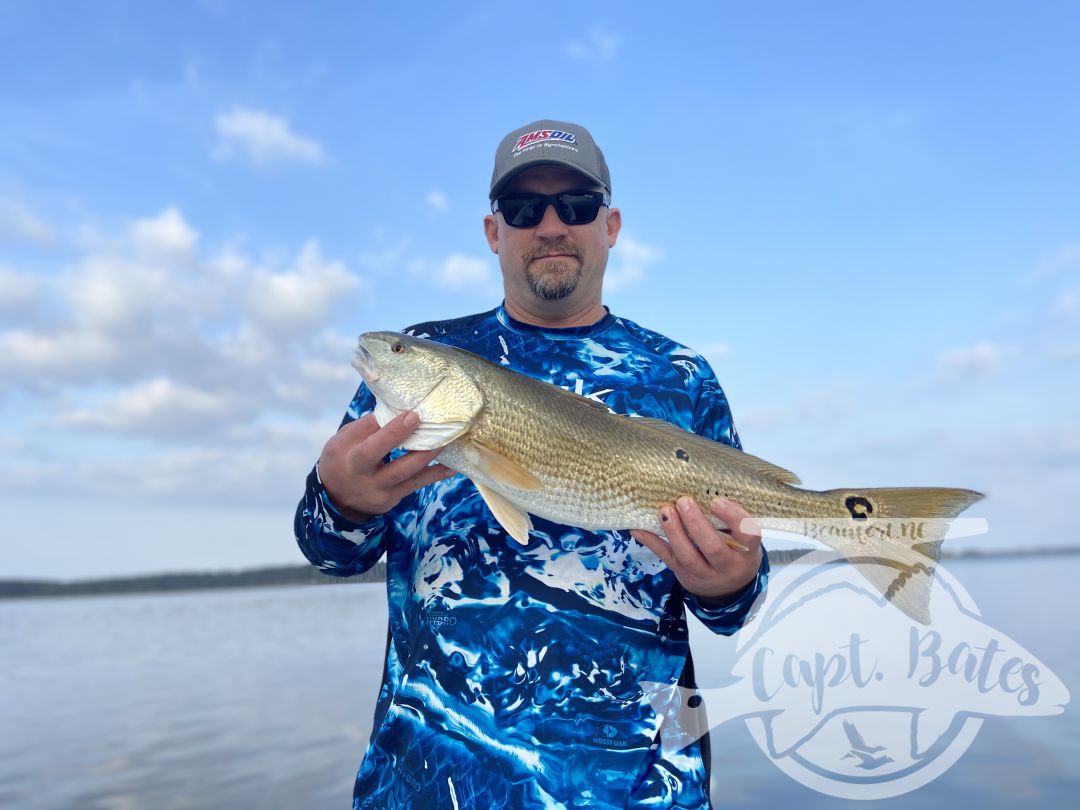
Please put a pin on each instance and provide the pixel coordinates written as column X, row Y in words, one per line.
column 894, row 538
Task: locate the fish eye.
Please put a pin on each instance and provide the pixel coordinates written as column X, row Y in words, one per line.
column 397, row 347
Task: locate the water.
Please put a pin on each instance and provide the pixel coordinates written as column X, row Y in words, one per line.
column 263, row 698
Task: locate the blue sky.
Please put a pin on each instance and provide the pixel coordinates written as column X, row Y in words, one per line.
column 865, row 214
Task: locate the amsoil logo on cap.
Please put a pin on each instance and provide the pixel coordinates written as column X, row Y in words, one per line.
column 543, row 135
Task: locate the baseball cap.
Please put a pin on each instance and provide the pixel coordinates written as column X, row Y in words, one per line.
column 548, row 141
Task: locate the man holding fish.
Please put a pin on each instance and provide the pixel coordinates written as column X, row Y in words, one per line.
column 516, row 644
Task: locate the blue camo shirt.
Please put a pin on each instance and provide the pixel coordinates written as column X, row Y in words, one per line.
column 512, row 673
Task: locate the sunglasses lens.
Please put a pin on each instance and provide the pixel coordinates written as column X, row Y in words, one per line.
column 576, row 209
column 572, row 207
column 522, row 210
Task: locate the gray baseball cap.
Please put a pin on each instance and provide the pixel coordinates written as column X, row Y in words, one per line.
column 548, row 141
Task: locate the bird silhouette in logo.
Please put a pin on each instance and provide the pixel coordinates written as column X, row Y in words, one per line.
column 862, row 751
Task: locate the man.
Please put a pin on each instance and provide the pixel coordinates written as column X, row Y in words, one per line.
column 513, row 674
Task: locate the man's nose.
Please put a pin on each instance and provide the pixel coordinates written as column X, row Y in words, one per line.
column 550, row 224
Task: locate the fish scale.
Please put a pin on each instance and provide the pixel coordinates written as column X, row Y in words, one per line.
column 632, row 470
column 533, row 448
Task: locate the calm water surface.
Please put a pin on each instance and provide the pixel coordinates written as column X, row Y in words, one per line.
column 263, row 698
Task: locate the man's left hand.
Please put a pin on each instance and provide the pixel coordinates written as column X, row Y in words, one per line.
column 709, row 563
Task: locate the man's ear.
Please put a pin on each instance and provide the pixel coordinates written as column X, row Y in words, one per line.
column 614, row 225
column 491, row 232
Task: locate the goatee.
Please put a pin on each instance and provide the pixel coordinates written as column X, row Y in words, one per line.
column 552, row 281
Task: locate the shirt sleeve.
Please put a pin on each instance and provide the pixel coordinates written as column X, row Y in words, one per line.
column 726, row 616
column 712, row 419
column 329, row 540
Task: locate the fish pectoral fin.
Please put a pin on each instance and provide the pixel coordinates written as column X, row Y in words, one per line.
column 499, row 468
column 512, row 518
column 446, row 413
column 433, row 435
column 428, row 435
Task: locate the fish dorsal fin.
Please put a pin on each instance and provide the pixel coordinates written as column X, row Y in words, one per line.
column 729, row 454
column 498, row 467
column 511, row 517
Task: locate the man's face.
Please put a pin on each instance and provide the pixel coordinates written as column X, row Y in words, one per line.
column 553, row 262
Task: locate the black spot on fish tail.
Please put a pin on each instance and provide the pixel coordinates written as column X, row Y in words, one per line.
column 859, row 507
column 682, row 455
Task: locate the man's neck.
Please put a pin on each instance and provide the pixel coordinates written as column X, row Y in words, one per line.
column 556, row 317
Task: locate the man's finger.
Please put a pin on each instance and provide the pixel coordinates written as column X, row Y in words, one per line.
column 422, row 478
column 682, row 546
column 656, row 544
column 745, row 530
column 404, row 467
column 359, row 429
column 378, row 444
column 701, row 531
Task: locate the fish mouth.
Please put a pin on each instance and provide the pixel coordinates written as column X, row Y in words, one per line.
column 364, row 363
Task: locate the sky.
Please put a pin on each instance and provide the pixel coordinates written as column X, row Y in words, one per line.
column 866, row 216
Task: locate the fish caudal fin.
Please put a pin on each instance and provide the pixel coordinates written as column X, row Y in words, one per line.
column 893, row 536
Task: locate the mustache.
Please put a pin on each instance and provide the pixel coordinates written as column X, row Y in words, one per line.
column 553, row 247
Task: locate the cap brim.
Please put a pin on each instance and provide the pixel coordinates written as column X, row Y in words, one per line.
column 527, row 163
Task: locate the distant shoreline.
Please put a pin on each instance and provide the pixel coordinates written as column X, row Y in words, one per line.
column 184, row 581
column 309, row 575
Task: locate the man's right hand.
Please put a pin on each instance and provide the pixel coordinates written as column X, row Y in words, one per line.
column 359, row 484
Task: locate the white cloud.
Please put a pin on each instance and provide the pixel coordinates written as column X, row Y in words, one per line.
column 165, row 236
column 262, row 138
column 1065, row 258
column 627, row 263
column 17, row 291
column 599, row 46
column 437, row 200
column 120, row 317
column 114, row 293
column 55, row 356
column 155, row 406
column 19, row 225
column 830, row 405
column 1065, row 352
column 970, row 363
column 1067, row 305
column 459, row 270
column 300, row 299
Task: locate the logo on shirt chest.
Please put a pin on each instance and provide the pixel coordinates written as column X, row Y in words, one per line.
column 608, row 736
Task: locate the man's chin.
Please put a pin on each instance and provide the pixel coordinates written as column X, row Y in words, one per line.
column 554, row 284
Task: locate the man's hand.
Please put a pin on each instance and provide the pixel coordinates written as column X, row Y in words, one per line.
column 359, row 484
column 708, row 563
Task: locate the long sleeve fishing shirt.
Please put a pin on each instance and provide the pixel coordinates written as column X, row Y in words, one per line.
column 513, row 673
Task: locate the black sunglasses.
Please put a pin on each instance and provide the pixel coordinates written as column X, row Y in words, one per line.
column 573, row 207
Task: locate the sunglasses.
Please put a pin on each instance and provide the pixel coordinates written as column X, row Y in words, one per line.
column 573, row 207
